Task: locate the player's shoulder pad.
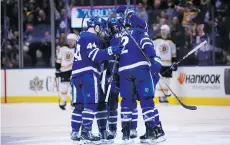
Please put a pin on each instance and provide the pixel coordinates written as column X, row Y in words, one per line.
column 170, row 40
column 64, row 46
column 157, row 38
column 88, row 35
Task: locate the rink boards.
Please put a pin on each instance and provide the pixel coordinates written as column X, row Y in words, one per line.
column 195, row 85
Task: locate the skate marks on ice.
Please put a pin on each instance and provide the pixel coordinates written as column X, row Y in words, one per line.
column 46, row 124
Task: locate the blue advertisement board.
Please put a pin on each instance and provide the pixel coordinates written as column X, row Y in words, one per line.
column 78, row 12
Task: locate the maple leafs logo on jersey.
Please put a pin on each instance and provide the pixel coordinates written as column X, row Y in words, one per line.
column 36, row 84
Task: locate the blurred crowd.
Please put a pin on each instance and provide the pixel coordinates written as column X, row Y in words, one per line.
column 190, row 23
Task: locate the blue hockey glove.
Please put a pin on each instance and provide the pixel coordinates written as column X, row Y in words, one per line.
column 174, row 66
column 123, row 10
column 114, row 50
column 156, row 65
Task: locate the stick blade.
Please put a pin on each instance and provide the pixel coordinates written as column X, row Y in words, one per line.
column 189, row 107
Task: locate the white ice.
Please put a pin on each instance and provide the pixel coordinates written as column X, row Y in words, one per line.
column 46, row 124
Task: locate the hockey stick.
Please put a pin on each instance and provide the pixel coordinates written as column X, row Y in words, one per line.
column 82, row 22
column 181, row 103
column 187, row 55
column 111, row 80
column 127, row 7
column 162, row 90
column 184, row 105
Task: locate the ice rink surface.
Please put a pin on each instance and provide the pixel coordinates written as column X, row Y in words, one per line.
column 46, row 124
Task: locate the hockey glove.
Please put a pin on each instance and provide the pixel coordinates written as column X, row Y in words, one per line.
column 156, row 65
column 129, row 13
column 114, row 50
column 174, row 66
column 123, row 10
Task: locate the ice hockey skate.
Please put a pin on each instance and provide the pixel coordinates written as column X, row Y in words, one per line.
column 88, row 138
column 133, row 134
column 75, row 137
column 106, row 137
column 149, row 136
column 62, row 105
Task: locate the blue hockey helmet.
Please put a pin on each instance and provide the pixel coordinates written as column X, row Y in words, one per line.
column 115, row 24
column 95, row 20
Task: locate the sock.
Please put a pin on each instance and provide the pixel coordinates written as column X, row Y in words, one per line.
column 101, row 117
column 156, row 117
column 88, row 115
column 126, row 116
column 148, row 116
column 134, row 118
column 76, row 120
column 64, row 98
column 112, row 122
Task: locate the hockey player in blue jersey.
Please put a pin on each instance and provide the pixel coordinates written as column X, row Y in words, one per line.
column 117, row 30
column 86, row 78
column 136, row 76
column 115, row 86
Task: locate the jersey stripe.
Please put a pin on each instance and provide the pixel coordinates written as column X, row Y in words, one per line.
column 85, row 69
column 140, row 63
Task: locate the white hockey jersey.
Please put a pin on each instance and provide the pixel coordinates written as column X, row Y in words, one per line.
column 166, row 50
column 65, row 58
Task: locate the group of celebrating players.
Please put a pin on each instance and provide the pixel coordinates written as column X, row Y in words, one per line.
column 94, row 63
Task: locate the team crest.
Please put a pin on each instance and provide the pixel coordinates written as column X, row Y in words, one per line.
column 164, row 48
column 147, row 90
column 68, row 56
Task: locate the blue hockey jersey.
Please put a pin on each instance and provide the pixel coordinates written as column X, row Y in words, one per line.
column 88, row 55
column 131, row 57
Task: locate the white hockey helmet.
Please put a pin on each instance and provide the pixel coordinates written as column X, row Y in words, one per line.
column 165, row 27
column 165, row 31
column 72, row 36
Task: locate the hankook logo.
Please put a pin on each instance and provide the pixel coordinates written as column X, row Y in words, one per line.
column 198, row 78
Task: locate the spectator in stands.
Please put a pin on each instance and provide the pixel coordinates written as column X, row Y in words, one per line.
column 189, row 14
column 141, row 11
column 171, row 12
column 11, row 55
column 156, row 27
column 178, row 37
column 60, row 41
column 204, row 54
column 63, row 24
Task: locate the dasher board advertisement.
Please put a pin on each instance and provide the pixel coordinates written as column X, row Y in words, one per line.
column 202, row 81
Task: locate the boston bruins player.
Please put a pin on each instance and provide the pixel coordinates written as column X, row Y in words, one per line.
column 64, row 67
column 166, row 50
